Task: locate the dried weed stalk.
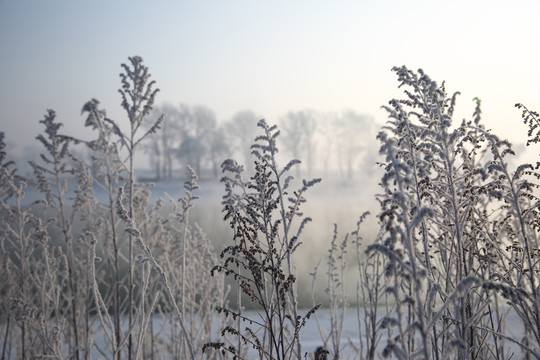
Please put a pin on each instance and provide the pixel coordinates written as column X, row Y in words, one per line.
column 264, row 213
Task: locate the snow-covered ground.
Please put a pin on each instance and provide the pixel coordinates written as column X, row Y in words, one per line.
column 349, row 343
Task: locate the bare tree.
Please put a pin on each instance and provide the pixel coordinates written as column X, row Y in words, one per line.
column 198, row 122
column 219, row 149
column 162, row 146
column 242, row 129
column 327, row 129
column 298, row 129
column 191, row 150
column 353, row 133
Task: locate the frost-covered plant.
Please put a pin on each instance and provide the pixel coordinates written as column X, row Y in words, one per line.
column 516, row 275
column 434, row 221
column 174, row 258
column 33, row 272
column 264, row 213
column 331, row 335
column 148, row 262
column 108, row 174
column 57, row 167
column 65, row 266
column 186, row 255
column 370, row 296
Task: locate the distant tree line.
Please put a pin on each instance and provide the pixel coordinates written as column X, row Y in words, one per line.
column 323, row 141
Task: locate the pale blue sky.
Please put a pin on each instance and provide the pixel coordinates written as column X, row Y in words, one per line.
column 270, row 57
